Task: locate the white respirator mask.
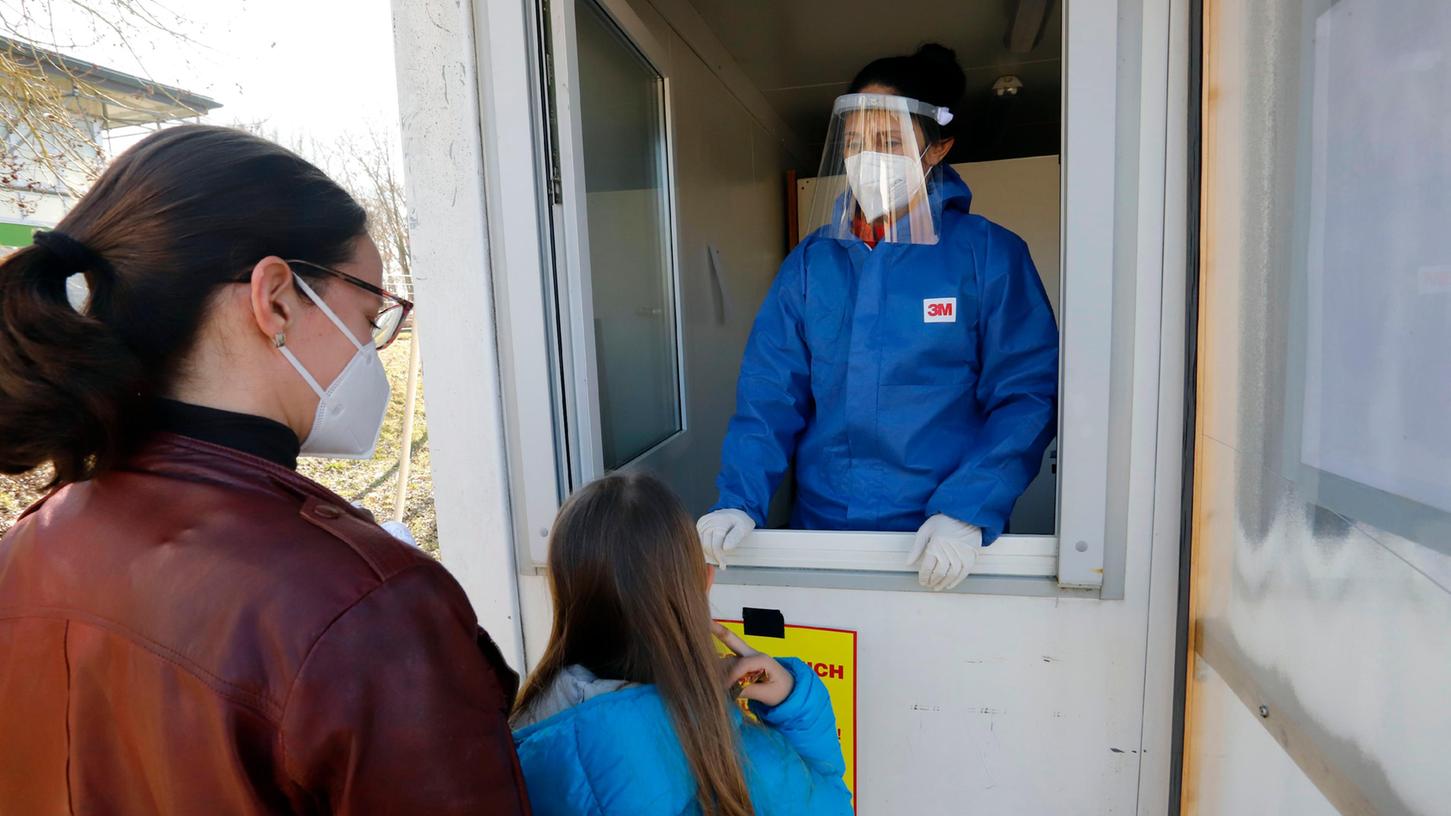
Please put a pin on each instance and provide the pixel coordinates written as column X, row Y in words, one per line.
column 350, row 411
column 883, row 182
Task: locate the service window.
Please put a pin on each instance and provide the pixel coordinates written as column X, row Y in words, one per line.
column 679, row 157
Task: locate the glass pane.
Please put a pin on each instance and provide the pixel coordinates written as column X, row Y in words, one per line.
column 629, row 239
column 1377, row 313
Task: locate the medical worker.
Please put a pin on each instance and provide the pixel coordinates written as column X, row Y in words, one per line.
column 906, row 356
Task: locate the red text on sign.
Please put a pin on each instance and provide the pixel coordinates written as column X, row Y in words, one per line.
column 829, row 671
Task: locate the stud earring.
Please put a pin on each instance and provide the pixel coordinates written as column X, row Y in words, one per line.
column 279, row 340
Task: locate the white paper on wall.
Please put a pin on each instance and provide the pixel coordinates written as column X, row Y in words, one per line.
column 1377, row 406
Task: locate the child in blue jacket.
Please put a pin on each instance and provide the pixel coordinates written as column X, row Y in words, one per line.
column 629, row 711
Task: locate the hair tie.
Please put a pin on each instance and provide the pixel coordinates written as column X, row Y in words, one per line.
column 74, row 255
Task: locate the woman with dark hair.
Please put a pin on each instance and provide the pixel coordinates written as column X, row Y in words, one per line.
column 629, row 711
column 906, row 356
column 186, row 624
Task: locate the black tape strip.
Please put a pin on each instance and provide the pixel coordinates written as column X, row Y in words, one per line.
column 764, row 622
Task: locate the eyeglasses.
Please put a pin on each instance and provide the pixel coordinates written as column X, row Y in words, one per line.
column 388, row 323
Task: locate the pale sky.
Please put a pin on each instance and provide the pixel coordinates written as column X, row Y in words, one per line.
column 313, row 68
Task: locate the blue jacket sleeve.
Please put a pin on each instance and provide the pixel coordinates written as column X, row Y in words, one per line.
column 806, row 722
column 773, row 398
column 1017, row 390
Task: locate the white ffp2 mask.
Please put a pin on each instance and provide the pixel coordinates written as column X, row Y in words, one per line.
column 350, row 411
column 883, row 182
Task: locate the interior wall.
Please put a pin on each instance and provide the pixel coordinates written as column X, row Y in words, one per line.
column 1024, row 196
column 729, row 199
column 802, row 54
column 1320, row 653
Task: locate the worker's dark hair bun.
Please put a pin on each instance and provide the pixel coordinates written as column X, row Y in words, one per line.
column 940, row 64
column 932, row 75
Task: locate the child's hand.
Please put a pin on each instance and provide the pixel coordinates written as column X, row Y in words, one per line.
column 758, row 676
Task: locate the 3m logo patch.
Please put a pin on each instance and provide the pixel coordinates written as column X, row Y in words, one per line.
column 939, row 310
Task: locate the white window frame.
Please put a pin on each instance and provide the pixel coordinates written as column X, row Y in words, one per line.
column 1021, row 556
column 1090, row 114
column 1075, row 556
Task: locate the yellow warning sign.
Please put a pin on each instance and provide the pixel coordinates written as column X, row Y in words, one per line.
column 832, row 654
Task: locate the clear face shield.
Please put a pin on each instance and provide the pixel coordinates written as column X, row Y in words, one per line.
column 873, row 183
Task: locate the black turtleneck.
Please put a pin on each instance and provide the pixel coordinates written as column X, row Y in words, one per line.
column 258, row 436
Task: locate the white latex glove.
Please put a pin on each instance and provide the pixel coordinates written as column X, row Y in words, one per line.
column 723, row 531
column 400, row 531
column 397, row 529
column 944, row 552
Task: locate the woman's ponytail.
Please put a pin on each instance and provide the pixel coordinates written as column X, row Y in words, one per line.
column 68, row 384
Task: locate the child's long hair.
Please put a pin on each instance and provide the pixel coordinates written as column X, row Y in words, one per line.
column 630, row 603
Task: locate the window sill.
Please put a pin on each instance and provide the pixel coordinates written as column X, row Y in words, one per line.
column 1015, row 556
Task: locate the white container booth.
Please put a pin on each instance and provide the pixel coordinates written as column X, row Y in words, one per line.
column 600, row 197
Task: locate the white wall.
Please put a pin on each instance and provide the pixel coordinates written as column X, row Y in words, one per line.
column 730, row 192
column 445, row 102
column 1337, row 626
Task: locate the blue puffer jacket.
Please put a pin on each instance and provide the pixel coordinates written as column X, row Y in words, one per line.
column 617, row 755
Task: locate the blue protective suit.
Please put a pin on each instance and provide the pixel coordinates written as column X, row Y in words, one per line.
column 892, row 412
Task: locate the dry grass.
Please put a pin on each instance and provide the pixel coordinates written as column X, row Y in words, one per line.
column 371, row 483
column 18, row 493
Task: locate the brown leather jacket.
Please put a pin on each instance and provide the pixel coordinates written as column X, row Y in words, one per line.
column 205, row 632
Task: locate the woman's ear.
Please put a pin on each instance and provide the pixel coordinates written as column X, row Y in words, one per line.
column 274, row 299
column 938, row 152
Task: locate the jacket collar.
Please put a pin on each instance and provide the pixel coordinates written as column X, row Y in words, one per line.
column 573, row 685
column 956, row 195
column 181, row 457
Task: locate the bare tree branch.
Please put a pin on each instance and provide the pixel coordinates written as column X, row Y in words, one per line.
column 367, row 166
column 54, row 109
